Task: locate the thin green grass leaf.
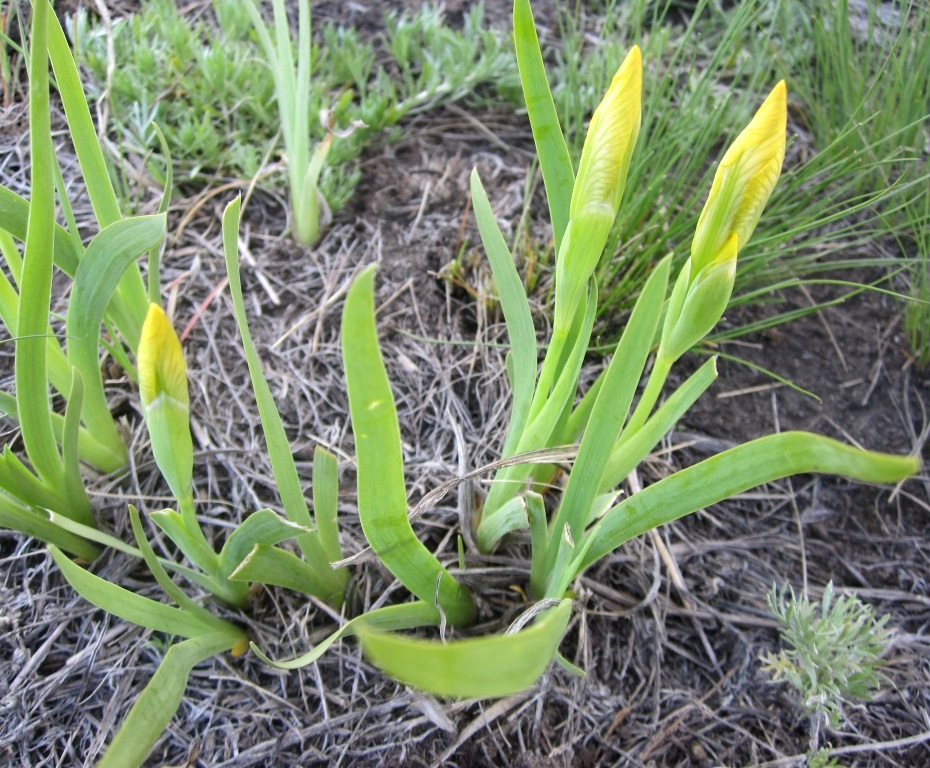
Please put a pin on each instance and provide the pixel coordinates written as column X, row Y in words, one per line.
column 516, row 309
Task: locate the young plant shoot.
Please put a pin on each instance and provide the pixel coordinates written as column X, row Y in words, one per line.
column 292, row 91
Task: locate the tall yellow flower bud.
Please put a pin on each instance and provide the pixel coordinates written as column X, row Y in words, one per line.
column 608, row 146
column 598, row 190
column 166, row 401
column 742, row 186
column 744, row 180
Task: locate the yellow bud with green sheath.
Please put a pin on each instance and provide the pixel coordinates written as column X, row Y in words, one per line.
column 742, row 185
column 165, row 400
column 744, row 180
column 598, row 190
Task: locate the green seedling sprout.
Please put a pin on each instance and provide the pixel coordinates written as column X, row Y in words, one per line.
column 292, row 90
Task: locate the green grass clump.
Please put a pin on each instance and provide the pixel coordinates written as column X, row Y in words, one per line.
column 203, row 80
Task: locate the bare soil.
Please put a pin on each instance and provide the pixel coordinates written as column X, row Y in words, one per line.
column 671, row 648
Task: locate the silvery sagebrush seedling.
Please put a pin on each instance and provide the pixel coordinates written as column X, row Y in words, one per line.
column 614, row 437
column 107, row 288
column 832, row 655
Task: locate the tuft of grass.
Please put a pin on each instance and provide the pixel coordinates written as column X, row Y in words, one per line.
column 917, row 312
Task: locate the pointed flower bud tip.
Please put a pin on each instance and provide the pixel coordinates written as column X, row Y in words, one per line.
column 162, row 370
column 744, row 180
column 609, row 143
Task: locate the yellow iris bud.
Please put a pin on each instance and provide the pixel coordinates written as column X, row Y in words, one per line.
column 162, row 371
column 166, row 401
column 598, row 190
column 608, row 146
column 742, row 185
column 744, row 180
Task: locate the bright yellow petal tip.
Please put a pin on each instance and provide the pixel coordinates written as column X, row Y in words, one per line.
column 162, row 370
column 744, row 180
column 609, row 143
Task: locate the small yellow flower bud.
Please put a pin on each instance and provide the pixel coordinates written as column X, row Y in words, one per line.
column 608, row 146
column 744, row 180
column 166, row 401
column 162, row 371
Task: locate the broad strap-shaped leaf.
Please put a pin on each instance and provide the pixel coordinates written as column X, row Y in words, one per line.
column 107, row 257
column 632, row 448
column 538, row 433
column 35, row 294
column 326, row 502
column 74, row 489
column 59, row 372
column 91, row 451
column 737, row 470
column 517, row 315
column 267, row 564
column 388, row 619
column 14, row 216
column 483, row 667
column 151, row 713
column 130, row 306
column 130, row 606
column 262, row 527
column 17, row 480
column 554, row 160
column 282, row 462
column 279, row 450
column 382, row 496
